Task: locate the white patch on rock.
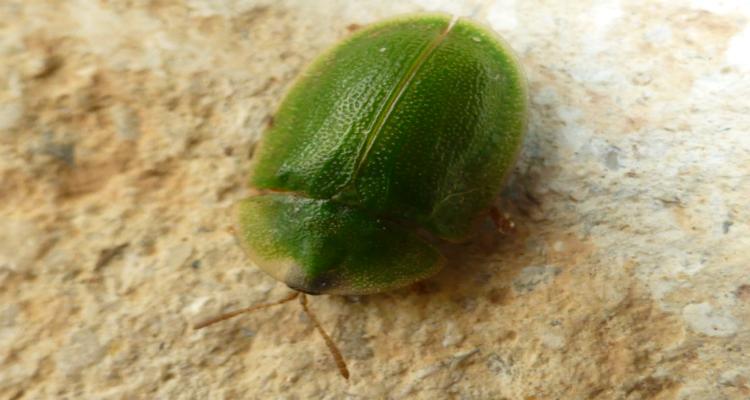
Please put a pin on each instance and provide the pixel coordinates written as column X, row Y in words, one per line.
column 553, row 341
column 722, row 7
column 449, row 6
column 502, row 15
column 573, row 134
column 738, row 53
column 702, row 318
column 15, row 374
column 126, row 122
column 199, row 305
column 605, row 13
column 177, row 256
column 11, row 113
column 452, row 335
column 658, row 35
column 558, row 246
column 734, row 376
column 531, row 277
column 8, row 315
column 20, row 242
column 547, row 95
column 206, row 9
column 82, row 350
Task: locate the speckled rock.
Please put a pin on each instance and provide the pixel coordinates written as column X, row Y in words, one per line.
column 127, row 127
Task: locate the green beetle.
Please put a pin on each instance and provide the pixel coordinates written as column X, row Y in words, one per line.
column 401, row 133
column 397, row 137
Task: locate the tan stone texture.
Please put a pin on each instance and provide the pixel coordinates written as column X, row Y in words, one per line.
column 127, row 127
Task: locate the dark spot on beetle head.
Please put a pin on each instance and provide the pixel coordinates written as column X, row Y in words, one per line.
column 426, row 287
column 321, row 284
column 303, row 290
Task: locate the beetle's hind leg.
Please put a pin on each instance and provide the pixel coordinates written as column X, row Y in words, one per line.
column 337, row 357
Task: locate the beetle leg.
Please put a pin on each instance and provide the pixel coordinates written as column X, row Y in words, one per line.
column 235, row 313
column 337, row 357
column 502, row 221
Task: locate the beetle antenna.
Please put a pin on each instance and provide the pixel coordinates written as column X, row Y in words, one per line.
column 235, row 313
column 337, row 357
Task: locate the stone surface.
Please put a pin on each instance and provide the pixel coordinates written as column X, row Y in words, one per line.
column 126, row 129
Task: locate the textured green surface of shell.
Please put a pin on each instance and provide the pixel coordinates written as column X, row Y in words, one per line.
column 404, row 130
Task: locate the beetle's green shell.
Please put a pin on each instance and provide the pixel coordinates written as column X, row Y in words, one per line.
column 344, row 249
column 412, row 122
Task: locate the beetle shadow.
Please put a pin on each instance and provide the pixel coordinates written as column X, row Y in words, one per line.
column 489, row 262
